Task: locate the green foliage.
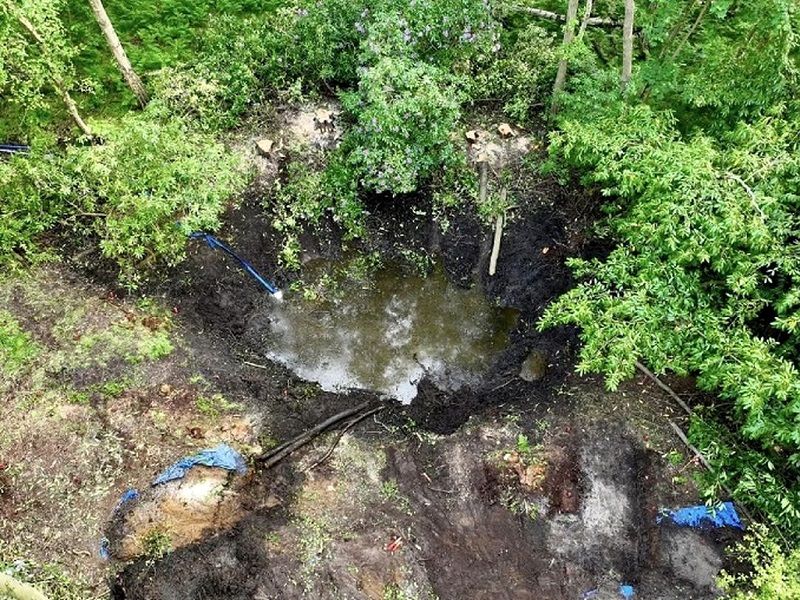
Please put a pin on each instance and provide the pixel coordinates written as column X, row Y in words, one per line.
column 521, row 74
column 157, row 544
column 26, row 210
column 30, row 69
column 214, row 405
column 306, row 197
column 50, row 579
column 155, row 35
column 404, row 113
column 155, row 347
column 16, row 346
column 775, row 573
column 731, row 59
column 153, row 182
column 707, row 235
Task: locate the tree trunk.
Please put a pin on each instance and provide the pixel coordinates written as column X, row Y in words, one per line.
column 627, row 45
column 587, row 16
column 691, row 31
column 125, row 67
column 58, row 83
column 569, row 35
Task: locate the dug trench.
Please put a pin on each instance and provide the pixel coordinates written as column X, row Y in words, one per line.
column 502, row 488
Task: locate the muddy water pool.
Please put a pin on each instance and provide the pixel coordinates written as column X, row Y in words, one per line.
column 386, row 333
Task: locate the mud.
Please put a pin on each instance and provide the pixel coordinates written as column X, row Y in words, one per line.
column 420, row 502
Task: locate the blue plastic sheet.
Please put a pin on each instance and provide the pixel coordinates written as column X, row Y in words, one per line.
column 700, row 516
column 222, row 456
column 214, row 243
column 105, row 548
column 129, row 496
column 627, row 591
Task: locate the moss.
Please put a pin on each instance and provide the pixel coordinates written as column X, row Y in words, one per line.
column 16, row 346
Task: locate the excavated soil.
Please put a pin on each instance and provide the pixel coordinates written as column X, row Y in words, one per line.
column 422, row 502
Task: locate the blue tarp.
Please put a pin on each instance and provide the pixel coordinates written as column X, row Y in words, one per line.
column 105, row 548
column 129, row 496
column 722, row 515
column 222, row 456
column 626, row 591
column 214, row 243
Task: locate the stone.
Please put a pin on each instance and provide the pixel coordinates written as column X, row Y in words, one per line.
column 504, row 129
column 323, row 120
column 323, row 116
column 265, row 147
column 473, row 135
column 535, row 366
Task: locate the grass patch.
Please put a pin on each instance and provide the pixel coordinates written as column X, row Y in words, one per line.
column 214, row 405
column 16, row 346
column 47, row 578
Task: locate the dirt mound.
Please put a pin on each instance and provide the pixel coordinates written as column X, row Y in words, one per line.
column 436, row 517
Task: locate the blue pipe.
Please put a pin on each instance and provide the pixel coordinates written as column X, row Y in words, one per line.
column 214, row 243
column 14, row 149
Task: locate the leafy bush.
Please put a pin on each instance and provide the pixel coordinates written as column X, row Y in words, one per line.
column 307, row 196
column 154, row 182
column 521, row 74
column 26, row 210
column 775, row 574
column 140, row 192
column 404, row 114
column 701, row 281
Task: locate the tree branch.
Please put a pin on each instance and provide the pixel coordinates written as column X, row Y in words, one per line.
column 553, row 16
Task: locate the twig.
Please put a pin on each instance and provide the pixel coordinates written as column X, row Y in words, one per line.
column 683, row 437
column 498, row 235
column 664, row 387
column 502, row 385
column 750, row 193
column 276, row 455
column 256, row 365
column 352, row 423
column 679, row 432
column 587, row 15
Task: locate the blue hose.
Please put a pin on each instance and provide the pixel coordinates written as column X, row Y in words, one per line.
column 14, row 149
column 214, row 243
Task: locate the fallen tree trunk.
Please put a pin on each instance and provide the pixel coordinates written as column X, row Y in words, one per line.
column 274, row 456
column 553, row 16
column 131, row 77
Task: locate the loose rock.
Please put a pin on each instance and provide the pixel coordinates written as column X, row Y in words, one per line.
column 264, row 147
column 535, row 366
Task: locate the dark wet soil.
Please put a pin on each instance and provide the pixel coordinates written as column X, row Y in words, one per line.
column 459, row 541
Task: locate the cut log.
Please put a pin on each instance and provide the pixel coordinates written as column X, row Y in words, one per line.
column 498, row 235
column 18, row 590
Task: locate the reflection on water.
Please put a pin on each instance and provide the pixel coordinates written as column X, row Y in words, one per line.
column 386, row 335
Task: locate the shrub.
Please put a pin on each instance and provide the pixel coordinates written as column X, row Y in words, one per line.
column 26, row 209
column 521, row 74
column 404, row 114
column 307, row 196
column 774, row 575
column 154, row 183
